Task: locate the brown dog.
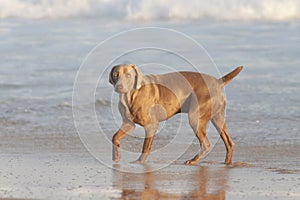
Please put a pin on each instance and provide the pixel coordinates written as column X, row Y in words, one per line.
column 148, row 100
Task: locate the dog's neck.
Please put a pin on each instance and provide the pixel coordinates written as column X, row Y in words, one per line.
column 126, row 100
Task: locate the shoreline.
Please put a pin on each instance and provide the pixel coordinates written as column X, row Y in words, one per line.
column 59, row 171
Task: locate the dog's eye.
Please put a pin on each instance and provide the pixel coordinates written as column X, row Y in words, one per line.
column 128, row 75
column 116, row 74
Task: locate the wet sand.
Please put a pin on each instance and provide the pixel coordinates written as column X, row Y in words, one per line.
column 48, row 167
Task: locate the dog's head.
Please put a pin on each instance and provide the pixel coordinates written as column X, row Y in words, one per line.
column 125, row 77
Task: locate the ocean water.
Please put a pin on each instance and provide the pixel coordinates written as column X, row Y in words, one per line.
column 43, row 44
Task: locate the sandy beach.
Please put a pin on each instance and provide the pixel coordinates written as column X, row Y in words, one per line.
column 63, row 169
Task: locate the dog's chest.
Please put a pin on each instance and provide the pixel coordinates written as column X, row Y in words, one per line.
column 139, row 113
column 151, row 110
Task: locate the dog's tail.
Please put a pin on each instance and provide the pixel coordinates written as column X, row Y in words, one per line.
column 228, row 77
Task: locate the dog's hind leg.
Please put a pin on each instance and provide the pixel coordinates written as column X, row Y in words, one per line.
column 220, row 123
column 199, row 127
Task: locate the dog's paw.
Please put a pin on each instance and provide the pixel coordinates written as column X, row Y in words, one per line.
column 138, row 161
column 190, row 162
column 116, row 155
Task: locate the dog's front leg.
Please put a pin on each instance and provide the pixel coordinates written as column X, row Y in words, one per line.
column 150, row 131
column 125, row 129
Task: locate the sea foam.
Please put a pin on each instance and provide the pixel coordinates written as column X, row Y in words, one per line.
column 267, row 10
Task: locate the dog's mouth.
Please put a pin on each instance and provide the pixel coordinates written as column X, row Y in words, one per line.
column 120, row 90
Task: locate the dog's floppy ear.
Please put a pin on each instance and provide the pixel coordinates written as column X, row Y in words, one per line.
column 111, row 76
column 138, row 77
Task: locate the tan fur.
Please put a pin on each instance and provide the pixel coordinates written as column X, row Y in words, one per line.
column 148, row 100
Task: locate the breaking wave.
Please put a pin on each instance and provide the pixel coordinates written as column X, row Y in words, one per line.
column 268, row 10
